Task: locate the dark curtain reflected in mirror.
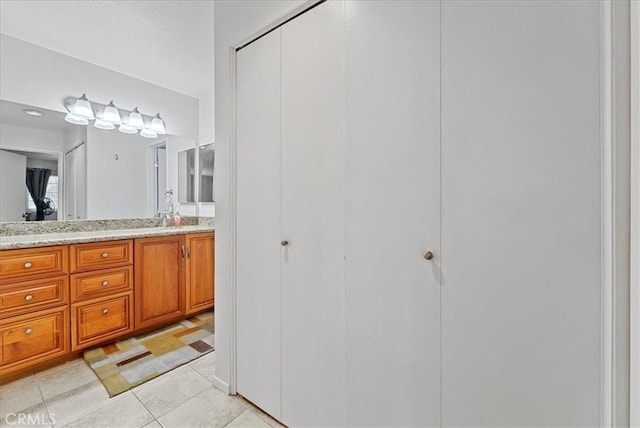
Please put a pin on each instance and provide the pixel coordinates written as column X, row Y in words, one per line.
column 37, row 180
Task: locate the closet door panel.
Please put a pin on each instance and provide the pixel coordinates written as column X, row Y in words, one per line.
column 393, row 213
column 258, row 222
column 520, row 213
column 313, row 218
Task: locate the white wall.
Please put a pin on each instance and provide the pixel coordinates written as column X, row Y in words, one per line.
column 635, row 214
column 234, row 21
column 36, row 76
column 12, row 186
column 42, row 163
column 74, row 136
column 30, row 139
column 117, row 188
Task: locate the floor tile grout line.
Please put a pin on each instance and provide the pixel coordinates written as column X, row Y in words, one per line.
column 146, row 408
column 44, row 402
column 178, row 405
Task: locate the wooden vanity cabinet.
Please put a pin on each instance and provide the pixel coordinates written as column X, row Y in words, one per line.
column 159, row 280
column 34, row 306
column 59, row 299
column 101, row 292
column 199, row 272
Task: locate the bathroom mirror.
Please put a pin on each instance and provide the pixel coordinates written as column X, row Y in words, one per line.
column 187, row 176
column 99, row 174
column 206, row 157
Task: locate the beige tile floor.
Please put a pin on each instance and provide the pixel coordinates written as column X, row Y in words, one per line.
column 70, row 395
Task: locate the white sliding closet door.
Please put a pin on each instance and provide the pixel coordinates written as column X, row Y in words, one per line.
column 520, row 213
column 393, row 213
column 258, row 222
column 313, row 213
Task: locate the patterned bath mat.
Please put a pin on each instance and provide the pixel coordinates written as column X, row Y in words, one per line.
column 131, row 362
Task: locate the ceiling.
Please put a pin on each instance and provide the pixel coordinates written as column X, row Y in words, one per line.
column 168, row 43
column 13, row 114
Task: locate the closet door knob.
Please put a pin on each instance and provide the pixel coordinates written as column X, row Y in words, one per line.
column 284, row 242
column 428, row 255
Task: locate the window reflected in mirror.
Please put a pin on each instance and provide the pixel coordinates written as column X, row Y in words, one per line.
column 206, row 162
column 186, row 176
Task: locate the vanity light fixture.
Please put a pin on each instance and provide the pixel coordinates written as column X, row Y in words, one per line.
column 157, row 125
column 76, row 120
column 135, row 119
column 127, row 129
column 111, row 114
column 147, row 133
column 103, row 124
column 108, row 116
column 82, row 108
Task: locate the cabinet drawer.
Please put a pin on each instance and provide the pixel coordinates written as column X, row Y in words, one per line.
column 102, row 319
column 31, row 295
column 94, row 284
column 33, row 262
column 98, row 255
column 33, row 338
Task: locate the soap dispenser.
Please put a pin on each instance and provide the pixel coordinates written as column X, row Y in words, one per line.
column 176, row 217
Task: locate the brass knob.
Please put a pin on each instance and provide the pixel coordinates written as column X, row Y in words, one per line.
column 105, row 283
column 284, row 242
column 27, row 265
column 28, row 297
column 28, row 331
column 105, row 311
column 105, row 255
column 428, row 255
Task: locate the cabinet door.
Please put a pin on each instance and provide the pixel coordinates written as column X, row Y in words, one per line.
column 33, row 338
column 313, row 209
column 392, row 295
column 258, row 223
column 159, row 280
column 521, row 213
column 199, row 272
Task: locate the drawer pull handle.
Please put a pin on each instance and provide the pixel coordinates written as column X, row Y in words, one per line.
column 28, row 331
column 27, row 265
column 105, row 283
column 105, row 311
column 105, row 255
column 28, row 297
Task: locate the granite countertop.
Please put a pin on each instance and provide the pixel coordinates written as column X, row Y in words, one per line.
column 63, row 238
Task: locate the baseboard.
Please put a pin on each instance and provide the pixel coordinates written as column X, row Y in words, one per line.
column 221, row 385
